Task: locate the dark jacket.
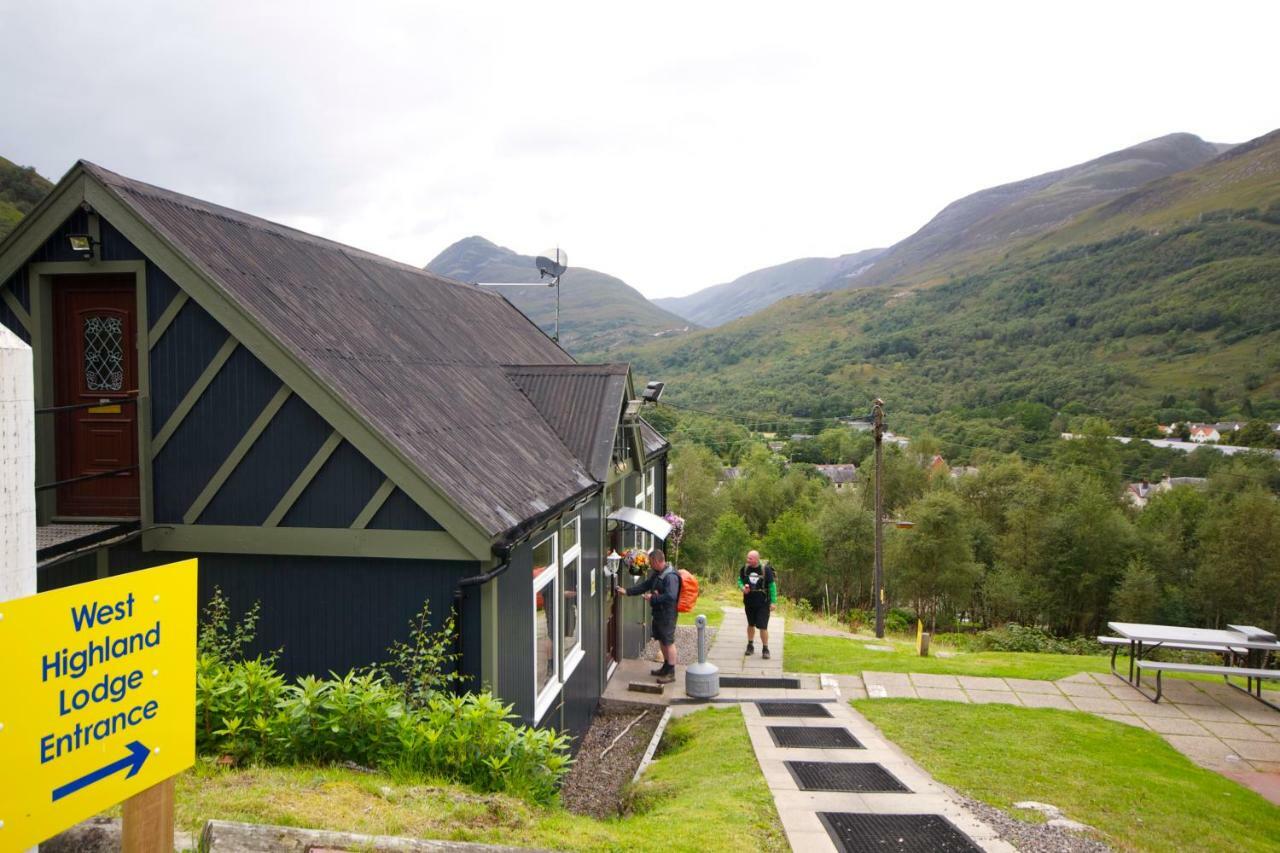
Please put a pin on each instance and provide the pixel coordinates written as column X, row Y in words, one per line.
column 666, row 592
column 765, row 588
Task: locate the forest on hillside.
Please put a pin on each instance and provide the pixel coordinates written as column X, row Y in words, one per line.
column 1180, row 324
column 21, row 189
column 1047, row 542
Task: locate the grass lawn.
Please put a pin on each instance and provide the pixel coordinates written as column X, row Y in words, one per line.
column 1124, row 781
column 813, row 653
column 712, row 597
column 671, row 808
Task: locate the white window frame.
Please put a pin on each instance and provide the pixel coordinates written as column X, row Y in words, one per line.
column 643, row 540
column 573, row 556
column 545, row 699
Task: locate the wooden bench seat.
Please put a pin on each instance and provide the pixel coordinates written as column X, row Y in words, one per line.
column 1161, row 667
column 1118, row 643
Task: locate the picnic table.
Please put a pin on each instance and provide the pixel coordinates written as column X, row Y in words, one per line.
column 1245, row 650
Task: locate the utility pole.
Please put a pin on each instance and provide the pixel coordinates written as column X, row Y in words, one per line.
column 877, row 413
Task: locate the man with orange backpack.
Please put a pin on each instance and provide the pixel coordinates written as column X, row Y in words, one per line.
column 759, row 596
column 662, row 590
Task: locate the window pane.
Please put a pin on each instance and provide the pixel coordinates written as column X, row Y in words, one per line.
column 568, row 536
column 103, row 353
column 572, row 623
column 544, row 637
column 544, row 554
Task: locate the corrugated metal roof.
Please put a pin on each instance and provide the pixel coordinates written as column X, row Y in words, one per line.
column 417, row 356
column 582, row 402
column 654, row 443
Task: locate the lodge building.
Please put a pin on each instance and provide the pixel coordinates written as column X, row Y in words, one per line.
column 335, row 435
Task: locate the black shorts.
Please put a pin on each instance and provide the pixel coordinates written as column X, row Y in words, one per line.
column 758, row 615
column 664, row 628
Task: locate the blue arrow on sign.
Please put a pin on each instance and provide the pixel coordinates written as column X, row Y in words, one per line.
column 137, row 755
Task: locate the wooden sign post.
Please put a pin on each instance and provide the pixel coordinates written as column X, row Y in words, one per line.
column 97, row 705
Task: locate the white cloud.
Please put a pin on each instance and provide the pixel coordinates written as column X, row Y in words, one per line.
column 674, row 145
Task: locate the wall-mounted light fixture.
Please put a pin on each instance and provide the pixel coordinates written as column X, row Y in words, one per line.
column 653, row 391
column 83, row 245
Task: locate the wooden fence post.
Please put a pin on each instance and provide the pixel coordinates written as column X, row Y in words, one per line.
column 148, row 820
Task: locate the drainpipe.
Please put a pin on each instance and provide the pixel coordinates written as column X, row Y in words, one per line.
column 503, row 552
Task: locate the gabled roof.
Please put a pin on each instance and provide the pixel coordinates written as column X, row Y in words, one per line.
column 654, row 442
column 415, row 357
column 839, row 474
column 581, row 402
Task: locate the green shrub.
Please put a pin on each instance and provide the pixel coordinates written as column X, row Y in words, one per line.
column 1021, row 638
column 221, row 638
column 246, row 710
column 859, row 619
column 426, row 664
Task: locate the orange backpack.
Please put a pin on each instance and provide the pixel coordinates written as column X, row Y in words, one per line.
column 688, row 592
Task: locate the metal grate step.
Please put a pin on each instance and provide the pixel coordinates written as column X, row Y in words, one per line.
column 858, row 777
column 813, row 737
column 761, row 681
column 895, row 833
column 792, row 709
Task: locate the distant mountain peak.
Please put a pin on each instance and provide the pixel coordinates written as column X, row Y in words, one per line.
column 967, row 228
column 597, row 311
column 759, row 289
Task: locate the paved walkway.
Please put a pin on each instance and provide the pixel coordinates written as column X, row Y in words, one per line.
column 799, row 809
column 729, row 650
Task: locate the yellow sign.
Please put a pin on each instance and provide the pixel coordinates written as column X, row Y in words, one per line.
column 97, row 697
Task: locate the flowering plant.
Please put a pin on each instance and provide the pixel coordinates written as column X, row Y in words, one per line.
column 635, row 560
column 676, row 534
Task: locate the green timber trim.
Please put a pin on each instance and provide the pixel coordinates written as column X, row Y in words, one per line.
column 209, row 295
column 303, row 480
column 16, row 307
column 375, row 503
column 34, row 228
column 306, row 541
column 236, row 456
column 167, row 317
column 40, row 285
column 193, row 395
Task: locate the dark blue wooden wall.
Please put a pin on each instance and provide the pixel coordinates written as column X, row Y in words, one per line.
column 325, row 613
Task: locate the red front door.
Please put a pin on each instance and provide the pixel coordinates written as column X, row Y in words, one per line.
column 95, row 359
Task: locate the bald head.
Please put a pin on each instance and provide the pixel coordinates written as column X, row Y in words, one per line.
column 753, row 558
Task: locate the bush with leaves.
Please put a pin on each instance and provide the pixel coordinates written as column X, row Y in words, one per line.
column 425, row 665
column 244, row 709
column 394, row 716
column 222, row 638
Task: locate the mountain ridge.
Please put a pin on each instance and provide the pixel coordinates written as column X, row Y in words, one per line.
column 597, row 311
column 1161, row 301
column 970, row 228
column 760, row 288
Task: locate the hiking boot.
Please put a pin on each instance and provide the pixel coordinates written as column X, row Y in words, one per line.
column 764, row 652
column 659, row 671
column 751, row 648
column 668, row 676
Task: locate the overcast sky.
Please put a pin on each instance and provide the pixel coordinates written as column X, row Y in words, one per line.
column 674, row 145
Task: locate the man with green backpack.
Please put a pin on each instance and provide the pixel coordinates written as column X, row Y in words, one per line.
column 759, row 588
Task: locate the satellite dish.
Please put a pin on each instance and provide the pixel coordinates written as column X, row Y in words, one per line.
column 552, row 263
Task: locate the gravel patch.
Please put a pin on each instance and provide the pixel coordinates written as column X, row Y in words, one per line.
column 1033, row 837
column 686, row 645
column 594, row 785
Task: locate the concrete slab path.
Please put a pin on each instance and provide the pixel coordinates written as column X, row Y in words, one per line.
column 798, row 809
